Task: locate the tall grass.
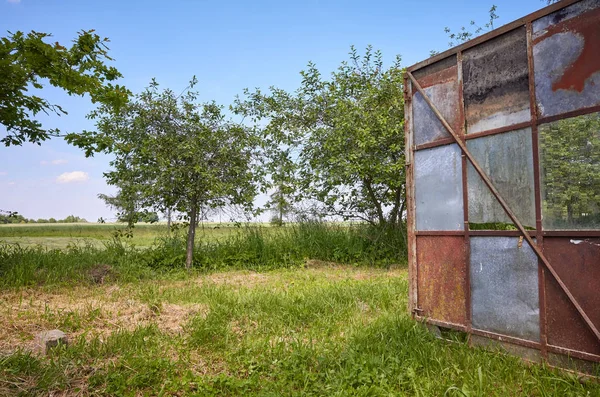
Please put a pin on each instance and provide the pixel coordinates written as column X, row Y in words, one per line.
column 248, row 248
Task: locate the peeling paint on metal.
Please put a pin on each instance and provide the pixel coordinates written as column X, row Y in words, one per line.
column 438, row 188
column 496, row 82
column 507, row 159
column 578, row 265
column 441, row 278
column 504, row 287
column 567, row 58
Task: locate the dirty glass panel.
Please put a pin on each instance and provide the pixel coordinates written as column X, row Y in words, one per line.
column 508, row 160
column 438, row 188
column 441, row 278
column 427, row 127
column 496, row 82
column 567, row 58
column 440, row 83
column 570, row 173
column 577, row 262
column 504, row 287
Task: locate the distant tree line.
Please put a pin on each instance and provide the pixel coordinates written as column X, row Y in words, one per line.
column 18, row 218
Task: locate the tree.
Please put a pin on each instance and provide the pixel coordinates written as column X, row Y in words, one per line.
column 126, row 202
column 27, row 60
column 467, row 33
column 344, row 136
column 570, row 166
column 280, row 202
column 73, row 219
column 178, row 154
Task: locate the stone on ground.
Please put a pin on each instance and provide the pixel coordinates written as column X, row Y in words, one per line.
column 49, row 339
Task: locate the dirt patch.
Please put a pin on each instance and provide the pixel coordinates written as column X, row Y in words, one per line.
column 79, row 311
column 99, row 273
column 237, row 279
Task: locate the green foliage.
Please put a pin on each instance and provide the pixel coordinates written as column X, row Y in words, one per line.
column 465, row 34
column 29, row 266
column 149, row 217
column 259, row 249
column 27, row 60
column 339, row 142
column 172, row 153
column 247, row 248
column 126, row 203
column 570, row 163
column 18, row 218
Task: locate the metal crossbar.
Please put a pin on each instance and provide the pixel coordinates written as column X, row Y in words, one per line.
column 505, row 206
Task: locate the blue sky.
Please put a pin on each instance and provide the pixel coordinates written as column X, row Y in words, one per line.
column 228, row 45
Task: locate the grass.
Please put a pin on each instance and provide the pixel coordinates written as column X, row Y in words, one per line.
column 265, row 311
column 63, row 234
column 246, row 248
column 324, row 330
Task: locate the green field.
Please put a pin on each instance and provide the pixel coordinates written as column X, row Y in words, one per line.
column 59, row 235
column 265, row 312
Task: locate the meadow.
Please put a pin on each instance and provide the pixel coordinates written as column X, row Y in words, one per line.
column 306, row 310
column 59, row 235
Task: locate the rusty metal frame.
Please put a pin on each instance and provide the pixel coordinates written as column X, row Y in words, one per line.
column 410, row 197
column 459, row 137
column 494, row 33
column 467, row 238
column 485, row 178
column 510, row 339
column 537, row 189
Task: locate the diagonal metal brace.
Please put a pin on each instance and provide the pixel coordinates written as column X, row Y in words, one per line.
column 506, row 208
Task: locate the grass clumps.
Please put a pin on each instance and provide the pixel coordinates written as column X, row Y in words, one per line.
column 330, row 330
column 252, row 248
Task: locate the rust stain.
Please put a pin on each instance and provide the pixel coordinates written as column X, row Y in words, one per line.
column 587, row 26
column 439, row 77
column 577, row 262
column 442, row 278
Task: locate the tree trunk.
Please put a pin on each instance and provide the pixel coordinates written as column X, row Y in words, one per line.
column 169, row 221
column 193, row 215
column 280, row 211
column 374, row 201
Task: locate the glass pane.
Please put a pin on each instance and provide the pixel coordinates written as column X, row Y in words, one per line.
column 496, row 82
column 427, row 127
column 570, row 171
column 504, row 287
column 440, row 83
column 438, row 188
column 508, row 160
column 566, row 62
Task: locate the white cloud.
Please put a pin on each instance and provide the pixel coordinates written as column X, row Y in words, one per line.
column 54, row 162
column 3, row 173
column 75, row 176
column 14, row 1
column 11, row 183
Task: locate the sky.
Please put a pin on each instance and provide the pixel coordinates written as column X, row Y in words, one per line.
column 227, row 45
